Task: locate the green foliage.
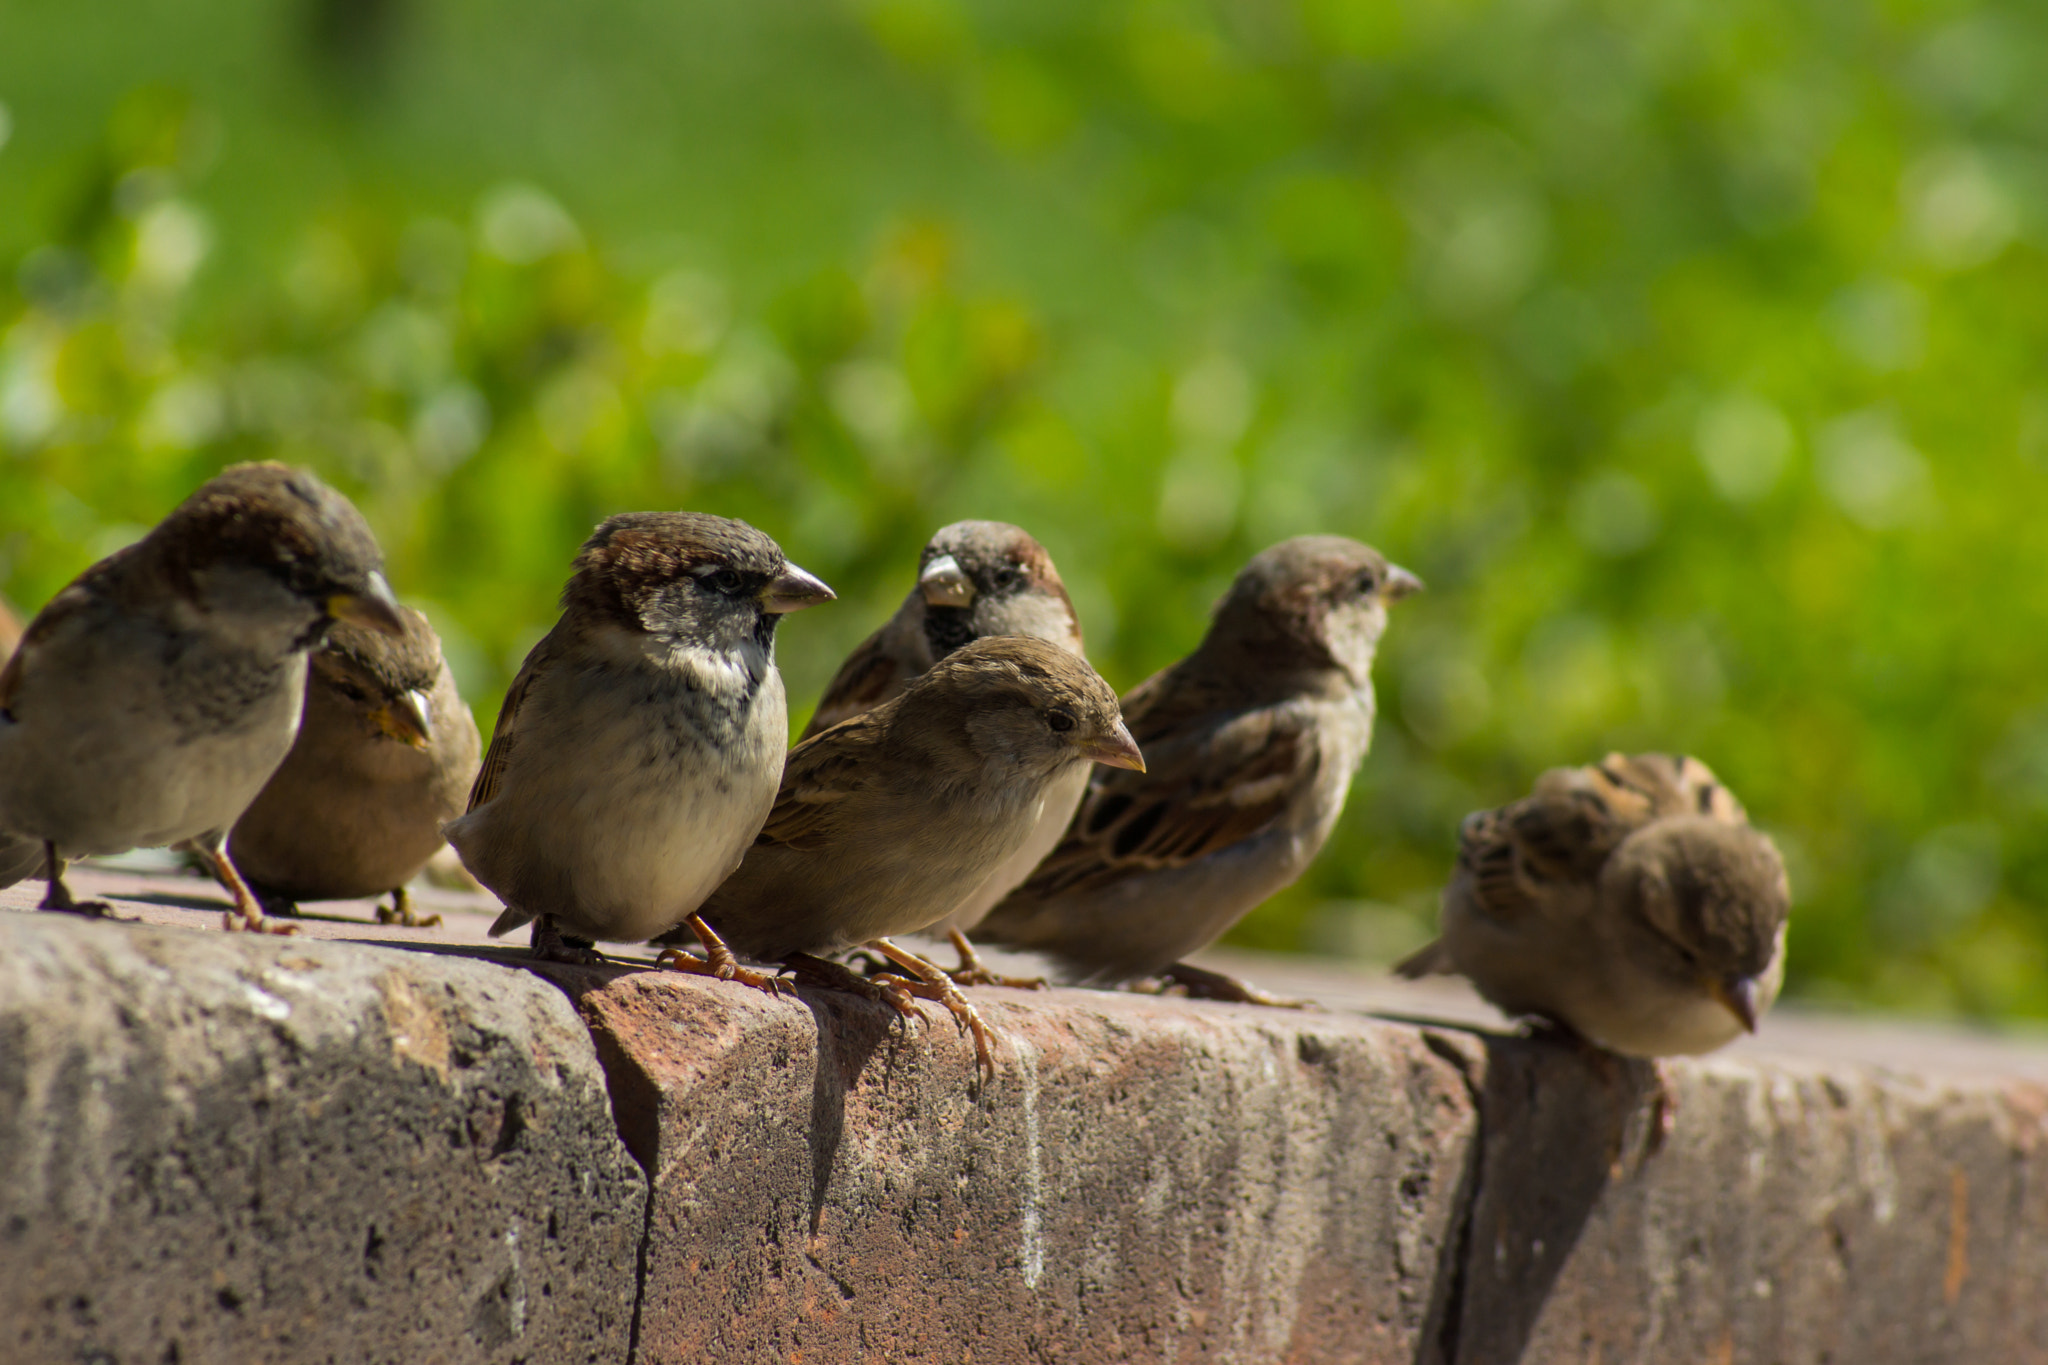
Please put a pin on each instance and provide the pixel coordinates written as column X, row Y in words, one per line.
column 1692, row 354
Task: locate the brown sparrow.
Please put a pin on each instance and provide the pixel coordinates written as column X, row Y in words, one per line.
column 883, row 818
column 975, row 579
column 385, row 756
column 1251, row 742
column 150, row 701
column 1629, row 902
column 637, row 752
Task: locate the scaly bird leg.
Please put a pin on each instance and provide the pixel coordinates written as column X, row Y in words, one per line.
column 718, row 962
column 1198, row 983
column 57, row 896
column 933, row 984
column 550, row 944
column 972, row 971
column 247, row 916
column 400, row 912
column 892, row 991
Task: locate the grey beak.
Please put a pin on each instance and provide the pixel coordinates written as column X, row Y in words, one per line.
column 793, row 590
column 373, row 607
column 1400, row 584
column 1739, row 995
column 945, row 584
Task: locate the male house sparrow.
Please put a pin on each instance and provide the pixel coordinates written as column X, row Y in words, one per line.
column 1251, row 742
column 385, row 755
column 637, row 751
column 883, row 818
column 975, row 579
column 150, row 701
column 1629, row 901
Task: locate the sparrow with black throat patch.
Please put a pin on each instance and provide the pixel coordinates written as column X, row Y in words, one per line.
column 1250, row 744
column 975, row 579
column 881, row 819
column 638, row 750
column 385, row 756
column 149, row 702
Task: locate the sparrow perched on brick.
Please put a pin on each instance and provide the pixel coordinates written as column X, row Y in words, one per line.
column 975, row 579
column 1629, row 901
column 883, row 818
column 385, row 756
column 150, row 701
column 1250, row 744
column 638, row 749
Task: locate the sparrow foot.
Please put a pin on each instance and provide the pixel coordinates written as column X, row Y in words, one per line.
column 1198, row 983
column 401, row 913
column 935, row 984
column 718, row 962
column 247, row 917
column 836, row 976
column 58, row 897
column 1663, row 1111
column 972, row 971
column 550, row 944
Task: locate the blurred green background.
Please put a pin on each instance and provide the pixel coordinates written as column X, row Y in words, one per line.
column 1694, row 354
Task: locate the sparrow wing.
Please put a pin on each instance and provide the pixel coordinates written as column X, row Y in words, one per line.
column 102, row 581
column 505, row 734
column 1213, row 780
column 872, row 674
column 817, row 778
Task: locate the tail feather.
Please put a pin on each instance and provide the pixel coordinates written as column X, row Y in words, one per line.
column 1432, row 960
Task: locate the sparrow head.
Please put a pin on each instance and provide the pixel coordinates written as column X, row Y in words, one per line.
column 385, row 681
column 1026, row 707
column 265, row 540
column 1704, row 904
column 982, row 578
column 689, row 577
column 1313, row 602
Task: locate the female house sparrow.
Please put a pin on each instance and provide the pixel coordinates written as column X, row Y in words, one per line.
column 150, row 701
column 1629, row 901
column 883, row 818
column 385, row 755
column 975, row 579
column 1251, row 742
column 638, row 749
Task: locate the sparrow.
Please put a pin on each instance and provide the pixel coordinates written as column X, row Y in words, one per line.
column 385, row 756
column 19, row 857
column 1629, row 902
column 150, row 701
column 881, row 819
column 1251, row 742
column 639, row 747
column 975, row 579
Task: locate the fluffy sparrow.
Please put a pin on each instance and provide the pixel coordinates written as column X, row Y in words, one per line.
column 385, row 755
column 150, row 701
column 1251, row 742
column 637, row 752
column 975, row 579
column 1630, row 902
column 883, row 818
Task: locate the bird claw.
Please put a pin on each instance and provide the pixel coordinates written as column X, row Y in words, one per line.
column 972, row 971
column 885, row 988
column 725, row 969
column 936, row 985
column 236, row 922
column 401, row 913
column 1198, row 983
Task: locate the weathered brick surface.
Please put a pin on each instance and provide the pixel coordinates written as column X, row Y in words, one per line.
column 224, row 1148
column 1143, row 1180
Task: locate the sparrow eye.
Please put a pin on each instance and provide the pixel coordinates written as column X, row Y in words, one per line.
column 1368, row 582
column 722, row 580
column 1060, row 721
column 352, row 692
column 1005, row 577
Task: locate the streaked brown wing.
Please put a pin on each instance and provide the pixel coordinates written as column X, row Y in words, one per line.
column 818, row 776
column 870, row 676
column 505, row 734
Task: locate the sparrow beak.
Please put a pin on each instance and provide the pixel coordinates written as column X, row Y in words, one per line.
column 1400, row 584
column 1738, row 995
column 1115, row 750
column 945, row 584
column 408, row 718
column 793, row 590
column 374, row 607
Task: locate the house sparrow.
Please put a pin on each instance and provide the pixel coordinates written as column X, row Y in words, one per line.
column 975, row 579
column 1251, row 742
column 637, row 751
column 150, row 701
column 1629, row 902
column 385, row 755
column 883, row 818
column 19, row 857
